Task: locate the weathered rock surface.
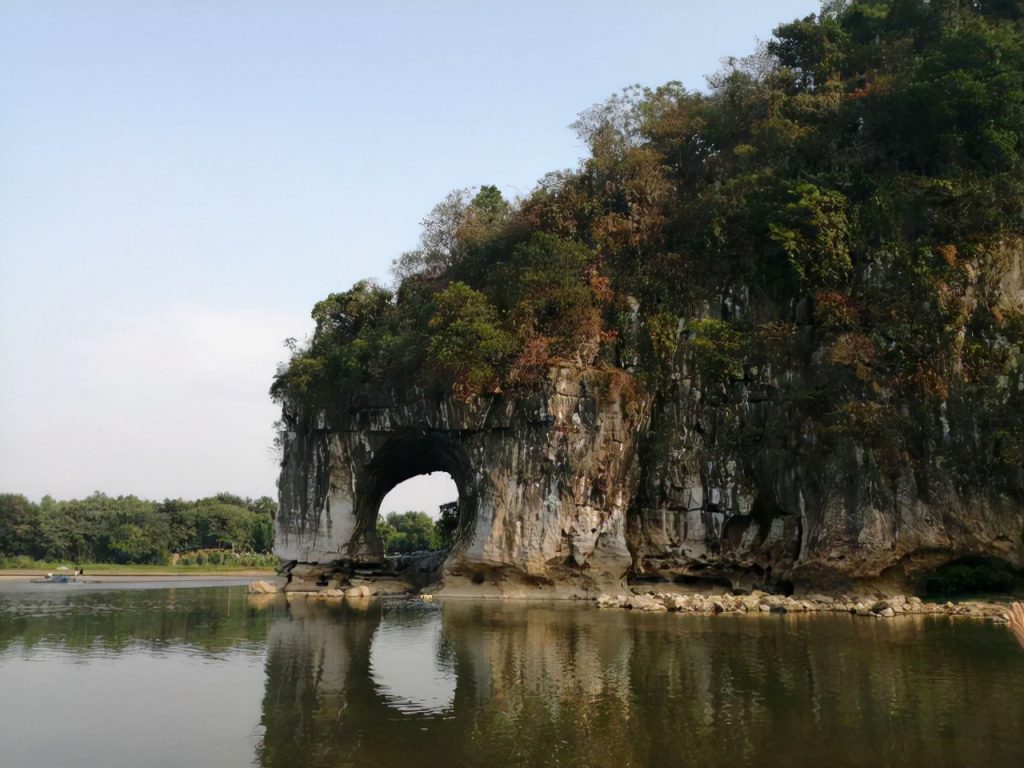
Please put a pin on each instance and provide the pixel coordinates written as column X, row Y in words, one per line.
column 744, row 491
column 263, row 588
column 544, row 482
column 762, row 602
column 569, row 491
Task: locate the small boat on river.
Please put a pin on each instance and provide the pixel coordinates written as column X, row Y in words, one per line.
column 55, row 578
column 64, row 575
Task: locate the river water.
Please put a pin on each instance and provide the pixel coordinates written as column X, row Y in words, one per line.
column 209, row 677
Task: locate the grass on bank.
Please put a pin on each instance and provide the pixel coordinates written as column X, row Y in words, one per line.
column 117, row 569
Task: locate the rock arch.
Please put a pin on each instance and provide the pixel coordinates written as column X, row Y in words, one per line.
column 401, row 455
column 544, row 481
column 546, row 478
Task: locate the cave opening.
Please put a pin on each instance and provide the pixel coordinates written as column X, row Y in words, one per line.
column 417, row 479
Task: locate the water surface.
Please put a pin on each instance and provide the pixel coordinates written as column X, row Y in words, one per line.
column 207, row 676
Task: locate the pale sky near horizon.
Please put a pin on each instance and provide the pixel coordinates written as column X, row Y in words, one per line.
column 181, row 181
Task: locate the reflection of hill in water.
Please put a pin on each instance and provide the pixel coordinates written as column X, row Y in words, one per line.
column 546, row 685
column 410, row 663
column 492, row 684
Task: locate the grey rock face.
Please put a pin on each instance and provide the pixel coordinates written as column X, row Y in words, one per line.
column 544, row 481
column 742, row 486
column 574, row 488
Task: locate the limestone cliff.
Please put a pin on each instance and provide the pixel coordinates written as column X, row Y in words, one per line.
column 772, row 476
column 792, row 466
column 587, row 482
column 545, row 480
column 769, row 334
column 748, row 490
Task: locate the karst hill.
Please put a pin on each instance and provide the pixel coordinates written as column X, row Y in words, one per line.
column 768, row 333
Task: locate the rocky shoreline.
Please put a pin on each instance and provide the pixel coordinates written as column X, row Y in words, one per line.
column 762, row 602
column 755, row 602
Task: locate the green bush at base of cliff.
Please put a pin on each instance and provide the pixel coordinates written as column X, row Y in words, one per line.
column 976, row 575
column 228, row 558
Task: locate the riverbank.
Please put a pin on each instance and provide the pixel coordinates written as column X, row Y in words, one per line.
column 994, row 608
column 113, row 573
column 761, row 602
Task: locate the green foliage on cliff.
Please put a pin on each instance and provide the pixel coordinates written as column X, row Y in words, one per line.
column 861, row 175
column 717, row 348
column 127, row 529
column 468, row 343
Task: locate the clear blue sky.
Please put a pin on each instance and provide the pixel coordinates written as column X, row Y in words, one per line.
column 181, row 180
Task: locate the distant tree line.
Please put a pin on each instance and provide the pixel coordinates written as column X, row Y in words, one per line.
column 127, row 529
column 405, row 532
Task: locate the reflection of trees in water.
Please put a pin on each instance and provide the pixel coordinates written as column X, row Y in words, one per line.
column 525, row 686
column 550, row 684
column 813, row 690
column 317, row 660
column 322, row 705
column 209, row 620
column 556, row 684
column 545, row 685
